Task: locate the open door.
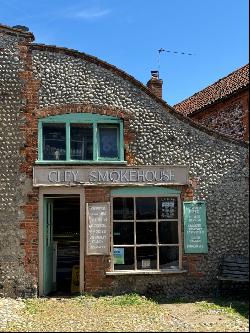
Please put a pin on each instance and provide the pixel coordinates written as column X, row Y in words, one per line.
column 48, row 246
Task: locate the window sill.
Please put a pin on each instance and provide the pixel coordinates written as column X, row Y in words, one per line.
column 148, row 272
column 80, row 162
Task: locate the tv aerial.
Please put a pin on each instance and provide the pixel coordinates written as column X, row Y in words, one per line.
column 170, row 51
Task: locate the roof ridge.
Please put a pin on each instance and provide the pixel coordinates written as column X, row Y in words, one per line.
column 212, row 84
column 12, row 30
column 142, row 87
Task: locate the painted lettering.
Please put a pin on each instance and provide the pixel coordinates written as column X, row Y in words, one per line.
column 171, row 175
column 75, row 174
column 132, row 175
column 114, row 176
column 124, row 177
column 141, row 176
column 148, row 177
column 103, row 176
column 93, row 176
column 67, row 176
column 53, row 176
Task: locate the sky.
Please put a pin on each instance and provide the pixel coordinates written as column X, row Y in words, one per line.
column 209, row 36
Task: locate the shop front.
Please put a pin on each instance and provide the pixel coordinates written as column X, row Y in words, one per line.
column 137, row 226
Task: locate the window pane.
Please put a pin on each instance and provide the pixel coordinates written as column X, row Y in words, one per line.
column 145, row 233
column 145, row 209
column 167, row 208
column 81, row 142
column 123, row 233
column 169, row 257
column 146, row 257
column 168, row 232
column 123, row 208
column 108, row 142
column 124, row 258
column 54, row 142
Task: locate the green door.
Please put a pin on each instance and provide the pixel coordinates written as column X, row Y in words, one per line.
column 48, row 247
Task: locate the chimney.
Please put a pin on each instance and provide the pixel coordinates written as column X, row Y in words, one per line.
column 21, row 27
column 155, row 84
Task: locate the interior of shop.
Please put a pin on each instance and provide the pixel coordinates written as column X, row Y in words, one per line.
column 66, row 242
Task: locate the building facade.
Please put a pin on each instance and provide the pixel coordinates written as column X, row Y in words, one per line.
column 104, row 183
column 222, row 106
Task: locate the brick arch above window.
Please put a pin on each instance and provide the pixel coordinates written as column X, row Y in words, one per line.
column 83, row 108
column 29, row 130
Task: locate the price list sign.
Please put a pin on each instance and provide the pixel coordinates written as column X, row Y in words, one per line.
column 98, row 228
column 195, row 227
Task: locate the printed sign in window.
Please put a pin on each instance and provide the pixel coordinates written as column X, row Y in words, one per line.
column 119, row 256
column 145, row 263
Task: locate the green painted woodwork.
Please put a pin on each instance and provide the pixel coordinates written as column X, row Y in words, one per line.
column 68, row 142
column 95, row 140
column 195, row 227
column 40, row 140
column 79, row 118
column 77, row 162
column 144, row 191
column 48, row 246
column 86, row 118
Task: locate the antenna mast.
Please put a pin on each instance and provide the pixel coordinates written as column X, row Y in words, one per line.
column 159, row 53
column 169, row 51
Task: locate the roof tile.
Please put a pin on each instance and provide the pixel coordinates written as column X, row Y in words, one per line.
column 215, row 92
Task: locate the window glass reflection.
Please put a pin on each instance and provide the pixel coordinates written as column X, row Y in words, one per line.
column 168, row 232
column 123, row 208
column 123, row 233
column 146, row 232
column 146, row 257
column 169, row 257
column 54, row 142
column 108, row 142
column 145, row 208
column 81, row 142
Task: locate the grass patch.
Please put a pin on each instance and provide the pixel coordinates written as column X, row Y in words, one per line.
column 229, row 307
column 33, row 306
column 127, row 300
column 121, row 300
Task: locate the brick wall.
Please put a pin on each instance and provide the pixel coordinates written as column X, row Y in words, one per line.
column 18, row 226
column 230, row 116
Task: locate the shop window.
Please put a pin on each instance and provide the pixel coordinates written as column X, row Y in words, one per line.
column 80, row 138
column 146, row 233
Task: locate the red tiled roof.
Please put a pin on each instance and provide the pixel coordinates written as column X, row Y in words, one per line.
column 218, row 90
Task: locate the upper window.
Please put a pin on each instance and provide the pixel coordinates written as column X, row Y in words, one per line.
column 79, row 138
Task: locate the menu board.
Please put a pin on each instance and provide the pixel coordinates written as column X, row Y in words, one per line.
column 98, row 228
column 195, row 227
column 168, row 208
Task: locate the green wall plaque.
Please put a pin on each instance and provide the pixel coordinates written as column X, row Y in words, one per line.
column 195, row 227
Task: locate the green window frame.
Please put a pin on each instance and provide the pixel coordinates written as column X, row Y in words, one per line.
column 142, row 193
column 96, row 121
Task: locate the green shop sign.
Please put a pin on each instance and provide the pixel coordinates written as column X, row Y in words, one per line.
column 195, row 227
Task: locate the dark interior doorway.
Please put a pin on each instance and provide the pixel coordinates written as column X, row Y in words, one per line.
column 66, row 240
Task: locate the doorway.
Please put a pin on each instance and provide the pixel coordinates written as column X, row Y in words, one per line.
column 61, row 244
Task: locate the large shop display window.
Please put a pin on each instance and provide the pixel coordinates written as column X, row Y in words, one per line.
column 146, row 233
column 80, row 138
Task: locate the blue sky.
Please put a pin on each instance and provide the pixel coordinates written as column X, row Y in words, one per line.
column 129, row 33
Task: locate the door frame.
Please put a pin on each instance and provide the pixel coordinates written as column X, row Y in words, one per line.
column 60, row 191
